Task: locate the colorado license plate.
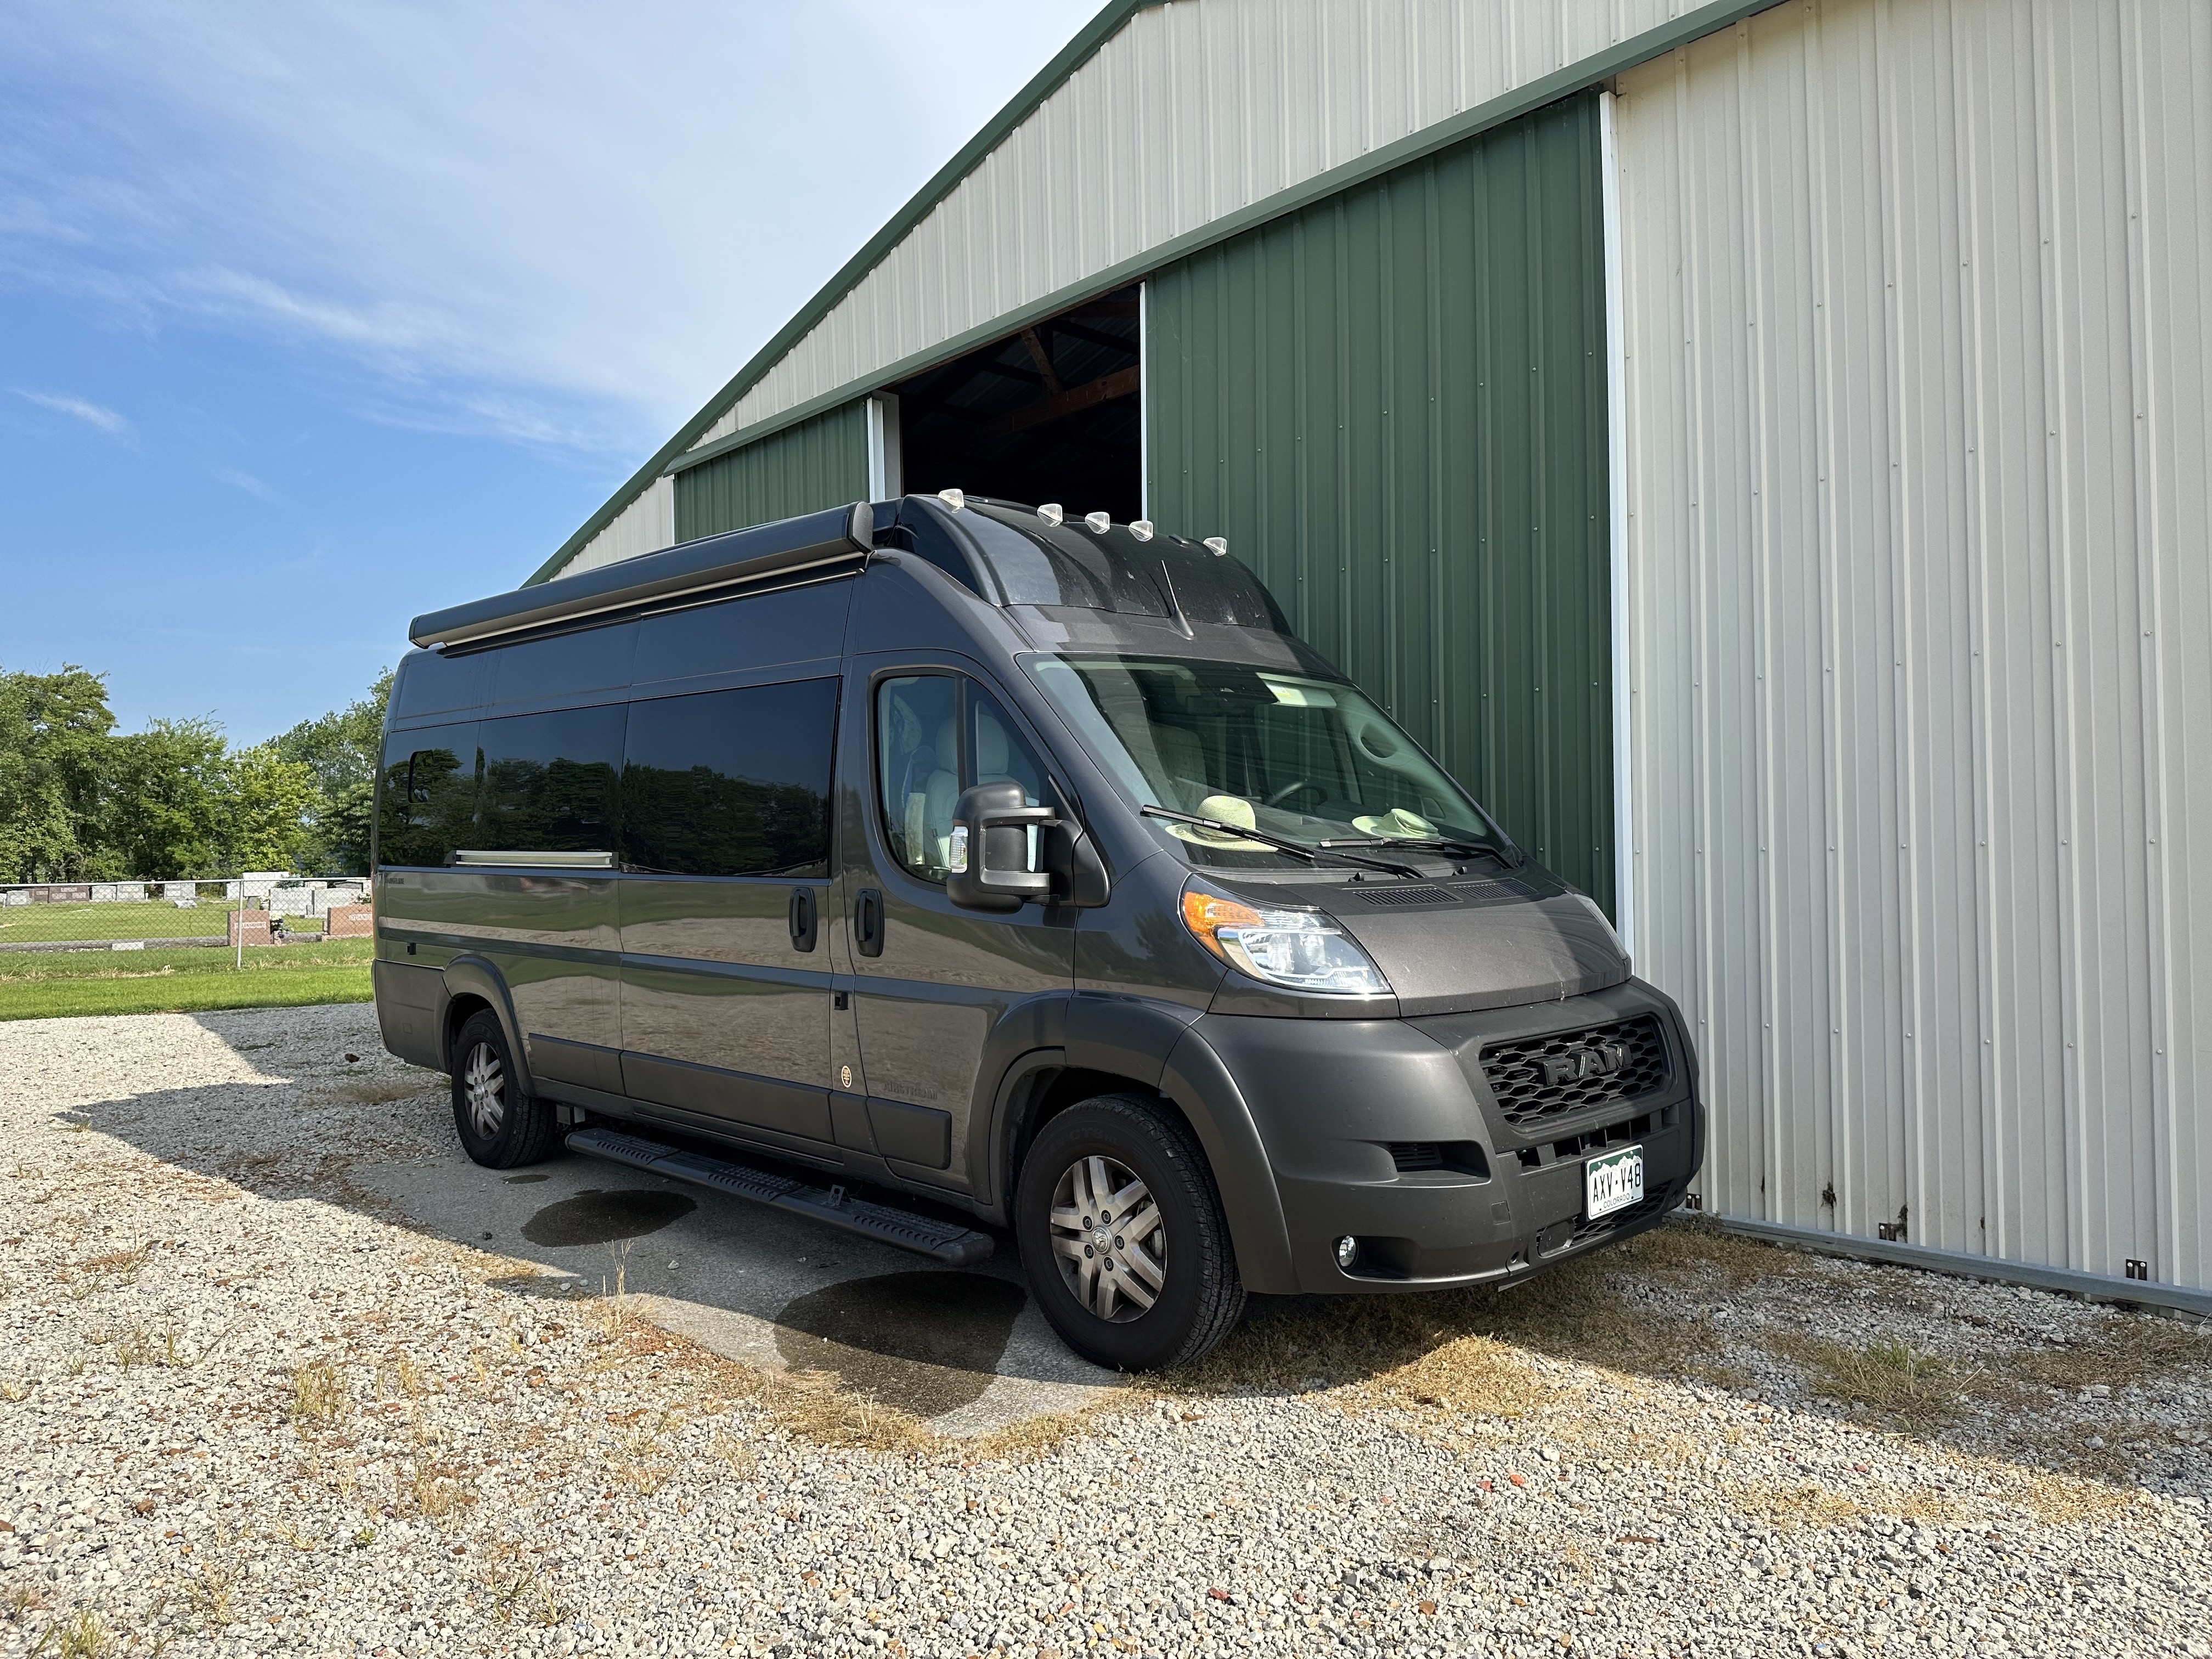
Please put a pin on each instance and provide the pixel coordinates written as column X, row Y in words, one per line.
column 1613, row 1183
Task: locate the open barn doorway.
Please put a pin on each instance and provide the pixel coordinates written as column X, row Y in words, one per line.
column 1048, row 414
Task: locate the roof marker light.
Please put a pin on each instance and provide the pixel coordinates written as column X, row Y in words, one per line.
column 1051, row 513
column 1218, row 545
column 953, row 498
column 1100, row 523
column 1141, row 529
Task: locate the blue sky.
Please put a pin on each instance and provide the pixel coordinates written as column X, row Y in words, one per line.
column 313, row 317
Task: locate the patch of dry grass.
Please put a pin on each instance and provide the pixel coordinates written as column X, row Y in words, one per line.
column 2122, row 1351
column 2062, row 1499
column 1787, row 1509
column 318, row 1393
column 1886, row 1378
column 1039, row 1436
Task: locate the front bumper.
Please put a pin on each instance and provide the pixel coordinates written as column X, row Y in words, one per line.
column 1349, row 1110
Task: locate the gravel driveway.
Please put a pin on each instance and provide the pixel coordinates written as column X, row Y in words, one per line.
column 250, row 1406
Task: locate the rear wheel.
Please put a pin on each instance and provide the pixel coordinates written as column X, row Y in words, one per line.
column 1123, row 1238
column 500, row 1126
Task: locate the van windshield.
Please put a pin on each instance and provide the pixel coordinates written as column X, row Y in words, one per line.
column 1299, row 758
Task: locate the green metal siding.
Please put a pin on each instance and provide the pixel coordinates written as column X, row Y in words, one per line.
column 1393, row 404
column 819, row 463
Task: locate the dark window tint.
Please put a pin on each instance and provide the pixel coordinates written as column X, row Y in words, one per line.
column 918, row 767
column 429, row 683
column 798, row 624
column 593, row 660
column 427, row 796
column 730, row 783
column 549, row 782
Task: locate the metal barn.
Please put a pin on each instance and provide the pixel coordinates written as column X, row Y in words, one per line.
column 1762, row 449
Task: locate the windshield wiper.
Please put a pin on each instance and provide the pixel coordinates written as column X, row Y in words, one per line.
column 1295, row 849
column 1441, row 843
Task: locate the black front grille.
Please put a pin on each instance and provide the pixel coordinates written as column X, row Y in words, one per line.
column 1542, row 1077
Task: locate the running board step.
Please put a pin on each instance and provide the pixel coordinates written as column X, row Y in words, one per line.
column 944, row 1240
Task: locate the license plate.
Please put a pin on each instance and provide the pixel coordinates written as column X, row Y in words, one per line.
column 1613, row 1183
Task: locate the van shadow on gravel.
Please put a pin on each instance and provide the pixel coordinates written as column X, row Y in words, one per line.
column 924, row 1342
column 752, row 1283
column 2039, row 1381
column 593, row 1217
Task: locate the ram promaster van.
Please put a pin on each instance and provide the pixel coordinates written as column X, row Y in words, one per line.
column 1014, row 869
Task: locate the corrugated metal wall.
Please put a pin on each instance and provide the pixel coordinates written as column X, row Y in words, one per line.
column 822, row 462
column 1919, row 335
column 1193, row 109
column 646, row 526
column 1393, row 404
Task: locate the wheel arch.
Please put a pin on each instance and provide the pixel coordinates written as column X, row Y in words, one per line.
column 1117, row 1045
column 471, row 984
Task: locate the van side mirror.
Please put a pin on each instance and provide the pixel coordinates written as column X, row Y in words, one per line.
column 987, row 865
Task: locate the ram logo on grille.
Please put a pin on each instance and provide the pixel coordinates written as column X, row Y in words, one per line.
column 1599, row 1060
column 1535, row 1080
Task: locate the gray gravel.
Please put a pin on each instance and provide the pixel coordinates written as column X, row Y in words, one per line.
column 252, row 1413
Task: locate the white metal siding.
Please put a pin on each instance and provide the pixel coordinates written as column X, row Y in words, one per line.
column 1919, row 333
column 1193, row 109
column 646, row 526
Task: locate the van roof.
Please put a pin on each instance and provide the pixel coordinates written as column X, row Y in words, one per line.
column 1013, row 554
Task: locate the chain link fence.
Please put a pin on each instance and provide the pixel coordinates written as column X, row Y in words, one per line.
column 270, row 907
column 194, row 943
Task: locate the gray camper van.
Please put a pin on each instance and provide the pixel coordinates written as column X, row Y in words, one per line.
column 942, row 861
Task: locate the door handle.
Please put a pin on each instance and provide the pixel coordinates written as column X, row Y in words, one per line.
column 868, row 922
column 802, row 919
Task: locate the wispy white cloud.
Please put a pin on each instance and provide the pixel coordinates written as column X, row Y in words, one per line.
column 567, row 234
column 245, row 481
column 81, row 409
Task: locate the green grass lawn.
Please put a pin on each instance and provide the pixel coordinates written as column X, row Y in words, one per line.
column 27, row 924
column 46, row 984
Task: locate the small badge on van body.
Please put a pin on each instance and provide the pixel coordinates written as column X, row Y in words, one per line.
column 844, row 1076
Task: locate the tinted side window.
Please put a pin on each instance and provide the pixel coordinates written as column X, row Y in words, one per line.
column 549, row 780
column 429, row 683
column 427, row 796
column 798, row 624
column 730, row 783
column 591, row 659
column 918, row 768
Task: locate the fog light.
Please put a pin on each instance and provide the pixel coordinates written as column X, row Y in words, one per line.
column 1348, row 1252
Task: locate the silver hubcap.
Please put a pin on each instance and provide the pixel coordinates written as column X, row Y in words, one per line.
column 1108, row 1239
column 483, row 1090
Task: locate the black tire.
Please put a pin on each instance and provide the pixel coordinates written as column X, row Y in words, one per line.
column 511, row 1128
column 1199, row 1300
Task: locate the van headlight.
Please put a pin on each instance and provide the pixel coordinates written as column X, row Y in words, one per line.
column 1301, row 950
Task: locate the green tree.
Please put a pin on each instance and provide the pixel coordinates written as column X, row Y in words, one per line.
column 266, row 801
column 167, row 799
column 55, row 741
column 342, row 749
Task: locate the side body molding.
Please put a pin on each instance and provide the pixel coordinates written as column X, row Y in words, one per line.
column 470, row 975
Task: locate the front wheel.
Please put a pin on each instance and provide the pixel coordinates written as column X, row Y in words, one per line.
column 1123, row 1238
column 500, row 1126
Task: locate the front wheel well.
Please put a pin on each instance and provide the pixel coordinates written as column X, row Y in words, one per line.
column 1046, row 1093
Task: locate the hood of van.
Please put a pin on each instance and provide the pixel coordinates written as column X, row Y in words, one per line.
column 1477, row 948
